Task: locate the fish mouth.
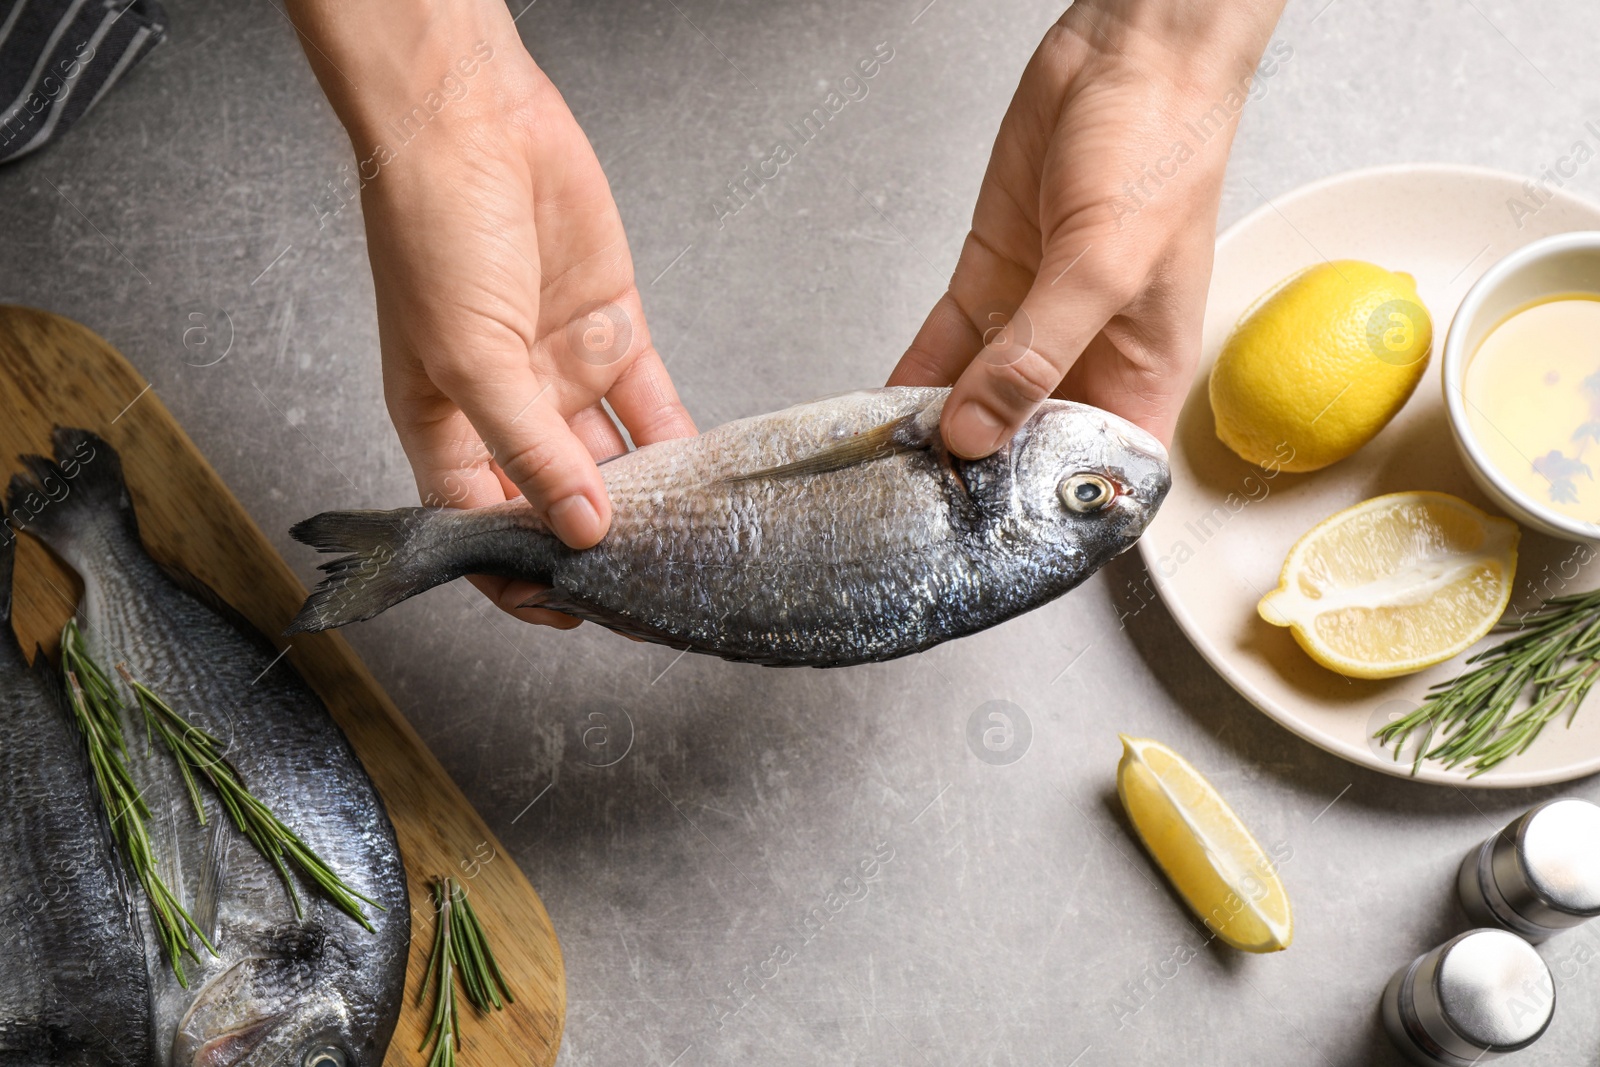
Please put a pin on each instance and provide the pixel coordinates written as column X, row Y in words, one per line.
column 1154, row 488
column 1148, row 476
column 1144, row 468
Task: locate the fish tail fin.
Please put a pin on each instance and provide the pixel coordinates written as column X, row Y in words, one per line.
column 64, row 499
column 390, row 558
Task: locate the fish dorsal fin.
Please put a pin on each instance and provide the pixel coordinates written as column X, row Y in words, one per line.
column 913, row 432
column 200, row 591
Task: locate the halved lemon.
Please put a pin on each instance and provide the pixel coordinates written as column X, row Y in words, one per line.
column 1210, row 857
column 1395, row 584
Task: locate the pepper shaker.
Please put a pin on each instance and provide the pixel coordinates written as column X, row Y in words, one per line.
column 1538, row 876
column 1475, row 997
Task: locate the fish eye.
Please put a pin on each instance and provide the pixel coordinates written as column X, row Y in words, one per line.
column 323, row 1057
column 1085, row 492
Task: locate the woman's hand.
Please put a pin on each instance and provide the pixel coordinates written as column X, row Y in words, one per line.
column 507, row 308
column 1085, row 272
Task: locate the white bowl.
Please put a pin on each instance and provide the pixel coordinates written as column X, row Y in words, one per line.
column 1562, row 263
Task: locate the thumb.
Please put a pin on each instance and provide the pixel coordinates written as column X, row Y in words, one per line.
column 518, row 418
column 1022, row 363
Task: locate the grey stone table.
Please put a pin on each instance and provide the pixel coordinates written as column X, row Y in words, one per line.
column 684, row 818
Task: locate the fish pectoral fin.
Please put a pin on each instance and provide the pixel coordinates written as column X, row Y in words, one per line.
column 954, row 468
column 212, row 867
column 553, row 600
column 909, row 433
column 226, row 1049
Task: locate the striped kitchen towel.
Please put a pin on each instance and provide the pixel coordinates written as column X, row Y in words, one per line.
column 58, row 58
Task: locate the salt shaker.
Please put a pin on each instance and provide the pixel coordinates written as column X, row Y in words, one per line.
column 1472, row 999
column 1538, row 876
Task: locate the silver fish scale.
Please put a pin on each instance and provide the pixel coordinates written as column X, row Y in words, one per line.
column 852, row 565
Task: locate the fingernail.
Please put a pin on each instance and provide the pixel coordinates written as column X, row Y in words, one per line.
column 974, row 431
column 575, row 521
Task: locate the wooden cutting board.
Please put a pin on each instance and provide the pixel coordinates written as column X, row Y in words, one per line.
column 54, row 371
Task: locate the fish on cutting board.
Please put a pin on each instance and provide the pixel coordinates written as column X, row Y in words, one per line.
column 73, row 983
column 831, row 533
column 291, row 991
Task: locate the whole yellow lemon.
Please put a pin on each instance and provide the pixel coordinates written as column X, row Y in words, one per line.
column 1320, row 364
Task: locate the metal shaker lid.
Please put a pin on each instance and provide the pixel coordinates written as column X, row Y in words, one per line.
column 1558, row 848
column 1493, row 989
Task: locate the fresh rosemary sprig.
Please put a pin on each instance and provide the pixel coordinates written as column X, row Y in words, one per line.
column 1553, row 659
column 459, row 947
column 440, row 977
column 198, row 752
column 95, row 707
column 475, row 961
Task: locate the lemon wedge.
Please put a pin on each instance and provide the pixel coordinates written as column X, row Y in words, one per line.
column 1206, row 852
column 1395, row 584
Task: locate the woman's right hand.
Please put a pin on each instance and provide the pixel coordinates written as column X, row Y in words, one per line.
column 507, row 307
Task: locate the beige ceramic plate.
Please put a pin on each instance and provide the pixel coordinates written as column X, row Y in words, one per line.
column 1221, row 536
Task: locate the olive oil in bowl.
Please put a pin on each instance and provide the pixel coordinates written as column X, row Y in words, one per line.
column 1532, row 392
